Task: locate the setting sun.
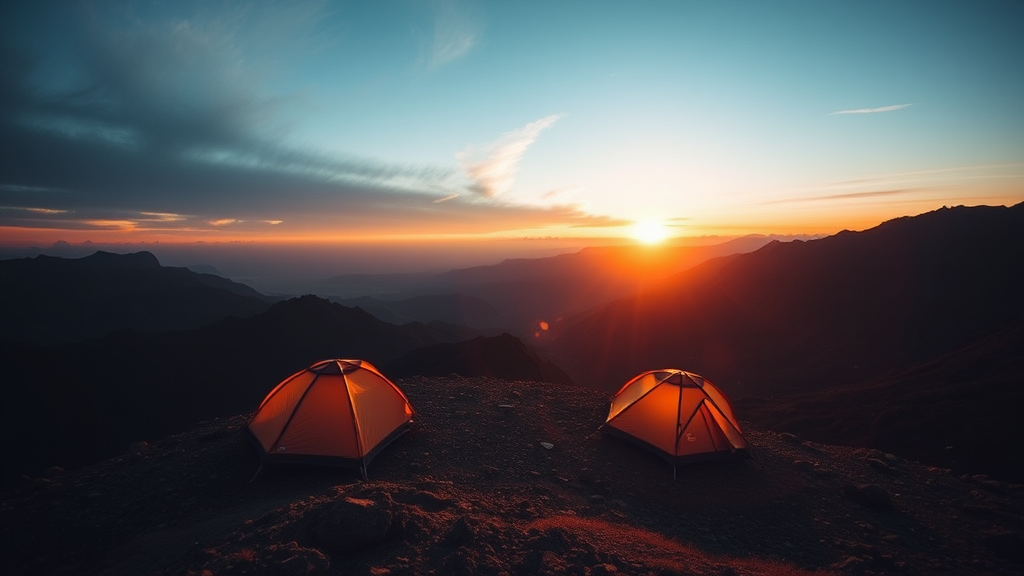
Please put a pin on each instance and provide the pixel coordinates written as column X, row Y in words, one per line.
column 650, row 231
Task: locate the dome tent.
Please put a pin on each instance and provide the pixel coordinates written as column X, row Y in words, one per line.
column 676, row 414
column 336, row 412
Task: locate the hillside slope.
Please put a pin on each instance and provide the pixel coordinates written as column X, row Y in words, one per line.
column 811, row 315
column 86, row 400
column 960, row 410
column 472, row 490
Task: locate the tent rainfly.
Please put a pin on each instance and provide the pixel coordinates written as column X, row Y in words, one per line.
column 336, row 412
column 678, row 415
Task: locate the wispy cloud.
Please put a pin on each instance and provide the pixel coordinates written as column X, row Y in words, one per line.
column 847, row 196
column 554, row 194
column 111, row 224
column 447, row 198
column 872, row 110
column 492, row 168
column 42, row 210
column 456, row 32
column 968, row 172
column 161, row 217
column 28, row 189
column 598, row 221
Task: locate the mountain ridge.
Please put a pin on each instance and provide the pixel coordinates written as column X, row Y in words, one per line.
column 824, row 312
column 528, row 291
column 50, row 299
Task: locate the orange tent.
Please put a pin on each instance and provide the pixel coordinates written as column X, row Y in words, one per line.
column 340, row 412
column 679, row 415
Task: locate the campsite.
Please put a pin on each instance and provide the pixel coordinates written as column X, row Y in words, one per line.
column 474, row 488
column 281, row 441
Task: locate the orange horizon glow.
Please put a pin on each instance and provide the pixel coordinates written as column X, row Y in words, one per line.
column 644, row 232
column 39, row 237
column 786, row 220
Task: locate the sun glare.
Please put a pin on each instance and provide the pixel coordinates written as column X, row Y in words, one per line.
column 649, row 231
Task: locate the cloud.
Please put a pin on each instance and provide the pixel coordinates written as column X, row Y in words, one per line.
column 972, row 172
column 170, row 128
column 551, row 195
column 16, row 188
column 102, row 187
column 598, row 221
column 873, row 194
column 871, row 110
column 847, row 196
column 456, row 33
column 447, row 198
column 174, row 116
column 195, row 88
column 161, row 217
column 492, row 169
column 36, row 210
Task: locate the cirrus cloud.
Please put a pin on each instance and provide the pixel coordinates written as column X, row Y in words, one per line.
column 890, row 108
column 493, row 167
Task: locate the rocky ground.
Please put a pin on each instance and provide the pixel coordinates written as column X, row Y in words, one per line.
column 501, row 477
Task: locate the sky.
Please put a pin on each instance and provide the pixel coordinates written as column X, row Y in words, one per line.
column 409, row 123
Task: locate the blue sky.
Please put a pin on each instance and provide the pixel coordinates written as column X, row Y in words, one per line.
column 342, row 121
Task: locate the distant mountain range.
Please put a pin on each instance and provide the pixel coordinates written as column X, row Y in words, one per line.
column 48, row 299
column 801, row 316
column 517, row 294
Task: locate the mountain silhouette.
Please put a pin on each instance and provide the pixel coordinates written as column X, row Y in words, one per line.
column 801, row 316
column 87, row 400
column 517, row 294
column 48, row 299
